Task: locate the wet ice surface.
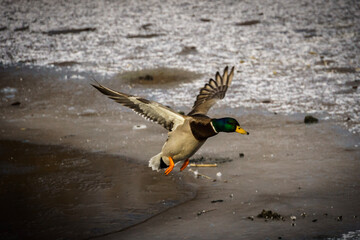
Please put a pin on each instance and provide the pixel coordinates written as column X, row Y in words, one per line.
column 56, row 193
column 290, row 56
column 352, row 235
column 67, row 111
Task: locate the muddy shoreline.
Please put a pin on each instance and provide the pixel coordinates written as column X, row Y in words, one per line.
column 286, row 166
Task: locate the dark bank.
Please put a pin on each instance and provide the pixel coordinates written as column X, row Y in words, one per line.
column 52, row 192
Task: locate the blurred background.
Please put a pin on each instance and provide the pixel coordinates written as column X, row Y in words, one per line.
column 290, row 56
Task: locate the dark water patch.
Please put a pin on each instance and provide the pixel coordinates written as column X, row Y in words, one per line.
column 188, row 50
column 146, row 26
column 22, row 28
column 157, row 76
column 65, row 63
column 69, row 31
column 151, row 35
column 11, row 57
column 340, row 70
column 349, row 87
column 248, row 23
column 266, row 101
column 347, row 91
column 27, row 61
column 354, row 83
column 52, row 192
column 205, row 20
column 307, row 32
column 262, row 101
column 310, row 35
column 339, row 26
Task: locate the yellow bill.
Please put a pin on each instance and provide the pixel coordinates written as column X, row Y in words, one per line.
column 241, row 130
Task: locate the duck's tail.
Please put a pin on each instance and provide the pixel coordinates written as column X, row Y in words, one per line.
column 155, row 162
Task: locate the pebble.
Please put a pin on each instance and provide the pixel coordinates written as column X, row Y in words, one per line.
column 310, row 119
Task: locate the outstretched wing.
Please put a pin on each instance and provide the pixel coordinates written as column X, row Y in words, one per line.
column 150, row 110
column 212, row 92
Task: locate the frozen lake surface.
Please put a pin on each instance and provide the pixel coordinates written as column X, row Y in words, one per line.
column 290, row 56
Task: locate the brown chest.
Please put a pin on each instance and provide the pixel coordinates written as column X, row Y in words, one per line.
column 202, row 130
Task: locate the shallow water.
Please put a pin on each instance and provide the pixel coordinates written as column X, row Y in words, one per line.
column 49, row 192
column 290, row 56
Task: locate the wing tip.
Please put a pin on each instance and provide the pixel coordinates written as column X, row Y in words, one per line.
column 232, row 70
column 100, row 88
column 230, row 76
column 222, row 83
column 226, row 70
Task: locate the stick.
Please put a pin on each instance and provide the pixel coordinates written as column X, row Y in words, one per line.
column 205, row 211
column 202, row 165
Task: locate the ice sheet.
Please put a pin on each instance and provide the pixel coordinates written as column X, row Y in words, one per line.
column 290, row 56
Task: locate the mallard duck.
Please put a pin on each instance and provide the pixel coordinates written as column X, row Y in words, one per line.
column 187, row 133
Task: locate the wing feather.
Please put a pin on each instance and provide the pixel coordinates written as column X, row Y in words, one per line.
column 150, row 110
column 212, row 91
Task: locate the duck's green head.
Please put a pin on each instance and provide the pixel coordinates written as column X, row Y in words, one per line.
column 227, row 125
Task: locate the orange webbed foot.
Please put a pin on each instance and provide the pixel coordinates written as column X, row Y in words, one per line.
column 186, row 162
column 171, row 166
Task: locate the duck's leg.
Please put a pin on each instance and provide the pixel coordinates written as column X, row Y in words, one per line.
column 171, row 166
column 186, row 162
